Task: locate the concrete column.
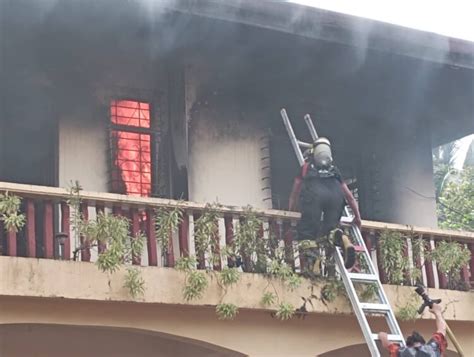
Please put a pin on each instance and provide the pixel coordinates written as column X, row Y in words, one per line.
column 396, row 175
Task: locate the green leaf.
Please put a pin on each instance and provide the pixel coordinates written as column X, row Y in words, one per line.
column 226, row 311
column 186, row 263
column 229, row 276
column 285, row 311
column 134, row 282
column 268, row 299
column 196, row 283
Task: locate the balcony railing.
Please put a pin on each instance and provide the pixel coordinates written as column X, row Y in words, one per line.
column 47, row 214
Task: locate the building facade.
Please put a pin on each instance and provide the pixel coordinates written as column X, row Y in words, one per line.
column 147, row 102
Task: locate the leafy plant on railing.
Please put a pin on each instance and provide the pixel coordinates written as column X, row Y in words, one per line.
column 74, row 201
column 167, row 221
column 10, row 214
column 113, row 232
column 195, row 282
column 280, row 271
column 248, row 242
column 134, row 282
column 226, row 278
column 451, row 257
column 392, row 245
column 206, row 235
column 420, row 247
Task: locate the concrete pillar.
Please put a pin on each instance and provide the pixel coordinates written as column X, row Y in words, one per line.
column 396, row 175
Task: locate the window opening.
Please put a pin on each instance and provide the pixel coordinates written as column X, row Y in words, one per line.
column 131, row 137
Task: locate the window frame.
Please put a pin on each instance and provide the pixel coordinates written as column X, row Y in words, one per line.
column 153, row 131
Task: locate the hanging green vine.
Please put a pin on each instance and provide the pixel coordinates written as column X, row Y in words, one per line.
column 167, row 221
column 206, row 235
column 74, row 201
column 226, row 311
column 113, row 232
column 249, row 243
column 10, row 214
column 394, row 263
column 285, row 311
column 419, row 249
column 134, row 282
column 268, row 299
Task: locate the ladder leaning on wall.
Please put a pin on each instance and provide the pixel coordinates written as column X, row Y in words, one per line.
column 361, row 309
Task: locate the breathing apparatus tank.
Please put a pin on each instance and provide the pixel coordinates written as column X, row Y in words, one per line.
column 322, row 155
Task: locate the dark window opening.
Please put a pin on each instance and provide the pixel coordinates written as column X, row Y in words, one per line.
column 131, row 143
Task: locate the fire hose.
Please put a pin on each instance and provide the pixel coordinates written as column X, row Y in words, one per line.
column 428, row 302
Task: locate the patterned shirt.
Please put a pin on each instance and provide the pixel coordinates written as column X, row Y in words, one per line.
column 435, row 347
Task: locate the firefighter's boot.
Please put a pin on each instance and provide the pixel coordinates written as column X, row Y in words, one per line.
column 343, row 241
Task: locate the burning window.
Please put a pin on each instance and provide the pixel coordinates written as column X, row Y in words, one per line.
column 131, row 147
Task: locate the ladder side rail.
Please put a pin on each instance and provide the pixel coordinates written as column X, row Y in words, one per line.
column 391, row 319
column 312, row 129
column 365, row 327
column 291, row 133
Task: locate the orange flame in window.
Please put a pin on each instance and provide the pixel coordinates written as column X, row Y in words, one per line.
column 133, row 149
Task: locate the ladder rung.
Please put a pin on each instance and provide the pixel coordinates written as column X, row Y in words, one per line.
column 382, row 308
column 363, row 278
column 393, row 338
column 346, row 220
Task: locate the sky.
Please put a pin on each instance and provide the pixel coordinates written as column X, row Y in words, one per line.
column 453, row 18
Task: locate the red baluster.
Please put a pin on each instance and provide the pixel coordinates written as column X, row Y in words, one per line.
column 170, row 253
column 465, row 276
column 288, row 239
column 382, row 274
column 217, row 265
column 471, row 263
column 151, row 238
column 11, row 244
column 65, row 227
column 48, row 231
column 117, row 211
column 200, row 255
column 136, row 259
column 430, row 278
column 367, row 236
column 85, row 244
column 406, row 255
column 3, row 250
column 183, row 236
column 229, row 236
column 101, row 246
column 30, row 229
column 443, row 279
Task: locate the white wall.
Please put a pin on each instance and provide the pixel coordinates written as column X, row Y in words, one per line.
column 225, row 160
column 82, row 153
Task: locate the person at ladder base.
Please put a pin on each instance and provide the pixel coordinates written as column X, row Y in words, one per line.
column 322, row 196
column 416, row 346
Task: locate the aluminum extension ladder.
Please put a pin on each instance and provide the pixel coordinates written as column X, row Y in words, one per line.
column 361, row 309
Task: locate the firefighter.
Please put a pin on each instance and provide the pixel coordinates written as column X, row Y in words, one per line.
column 322, row 196
column 416, row 345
